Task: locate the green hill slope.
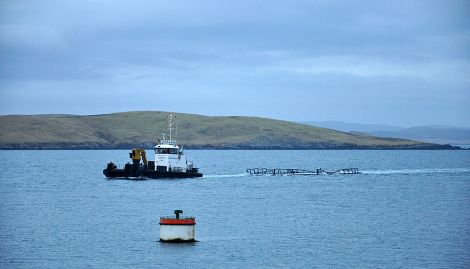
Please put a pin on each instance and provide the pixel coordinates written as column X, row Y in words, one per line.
column 141, row 129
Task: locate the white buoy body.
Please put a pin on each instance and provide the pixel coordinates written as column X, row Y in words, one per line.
column 177, row 230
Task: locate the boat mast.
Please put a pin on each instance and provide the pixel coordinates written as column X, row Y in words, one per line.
column 170, row 125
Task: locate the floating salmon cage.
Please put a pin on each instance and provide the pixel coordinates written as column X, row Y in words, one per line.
column 176, row 229
column 299, row 172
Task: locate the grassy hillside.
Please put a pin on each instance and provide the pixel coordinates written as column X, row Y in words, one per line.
column 141, row 129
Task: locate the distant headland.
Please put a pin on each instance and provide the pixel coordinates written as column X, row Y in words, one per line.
column 140, row 129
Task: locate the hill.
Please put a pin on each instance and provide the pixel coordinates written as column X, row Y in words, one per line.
column 140, row 129
column 430, row 133
column 352, row 126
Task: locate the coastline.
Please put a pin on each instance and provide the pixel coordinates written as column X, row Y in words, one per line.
column 214, row 147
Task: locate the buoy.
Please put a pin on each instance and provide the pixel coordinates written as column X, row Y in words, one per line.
column 176, row 229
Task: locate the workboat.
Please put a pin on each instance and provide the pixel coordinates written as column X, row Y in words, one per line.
column 170, row 162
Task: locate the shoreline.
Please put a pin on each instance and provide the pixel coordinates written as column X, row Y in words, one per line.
column 442, row 147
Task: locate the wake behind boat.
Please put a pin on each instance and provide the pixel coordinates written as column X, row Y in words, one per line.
column 169, row 162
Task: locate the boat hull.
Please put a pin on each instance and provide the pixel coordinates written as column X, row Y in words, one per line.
column 144, row 174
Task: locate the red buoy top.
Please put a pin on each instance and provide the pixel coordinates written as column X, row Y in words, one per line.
column 177, row 220
column 174, row 221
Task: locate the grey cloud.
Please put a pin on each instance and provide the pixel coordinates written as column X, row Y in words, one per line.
column 222, row 53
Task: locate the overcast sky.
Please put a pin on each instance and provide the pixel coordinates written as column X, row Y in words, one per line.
column 393, row 62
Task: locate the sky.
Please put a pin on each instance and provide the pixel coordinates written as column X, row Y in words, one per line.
column 403, row 63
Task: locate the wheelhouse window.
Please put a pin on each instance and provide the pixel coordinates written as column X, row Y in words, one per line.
column 162, row 151
column 166, row 151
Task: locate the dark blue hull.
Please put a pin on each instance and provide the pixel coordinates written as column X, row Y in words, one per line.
column 133, row 171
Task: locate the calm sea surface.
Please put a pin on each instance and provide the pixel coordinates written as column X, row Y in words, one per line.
column 408, row 209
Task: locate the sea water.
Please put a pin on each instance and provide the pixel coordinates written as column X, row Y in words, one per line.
column 407, row 209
